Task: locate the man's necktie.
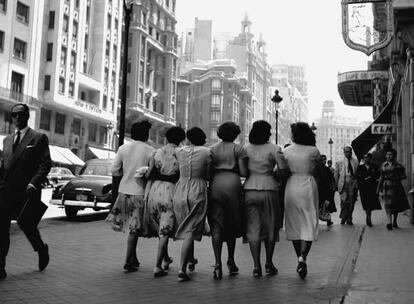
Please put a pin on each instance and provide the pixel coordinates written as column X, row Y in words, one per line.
column 16, row 141
column 350, row 169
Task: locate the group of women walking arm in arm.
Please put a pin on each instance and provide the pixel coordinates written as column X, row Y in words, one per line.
column 165, row 207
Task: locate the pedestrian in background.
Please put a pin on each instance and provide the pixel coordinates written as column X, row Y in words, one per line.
column 391, row 191
column 228, row 164
column 26, row 163
column 261, row 201
column 367, row 177
column 345, row 176
column 326, row 191
column 162, row 174
column 128, row 210
column 301, row 194
column 190, row 197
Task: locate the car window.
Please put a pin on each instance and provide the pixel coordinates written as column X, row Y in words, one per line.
column 66, row 171
column 97, row 170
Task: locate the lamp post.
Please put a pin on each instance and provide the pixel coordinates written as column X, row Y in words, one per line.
column 330, row 142
column 276, row 99
column 109, row 126
column 127, row 19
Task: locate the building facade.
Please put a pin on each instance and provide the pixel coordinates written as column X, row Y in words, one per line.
column 65, row 54
column 152, row 67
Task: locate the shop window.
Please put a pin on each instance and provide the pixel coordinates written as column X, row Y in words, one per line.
column 92, row 131
column 45, row 118
column 60, row 123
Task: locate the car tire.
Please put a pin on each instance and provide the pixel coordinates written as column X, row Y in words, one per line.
column 71, row 211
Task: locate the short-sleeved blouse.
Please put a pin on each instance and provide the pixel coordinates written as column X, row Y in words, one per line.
column 225, row 155
column 261, row 164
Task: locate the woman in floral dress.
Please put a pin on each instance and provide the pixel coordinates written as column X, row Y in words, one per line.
column 190, row 196
column 159, row 206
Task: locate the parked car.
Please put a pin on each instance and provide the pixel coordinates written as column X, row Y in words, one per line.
column 58, row 175
column 92, row 188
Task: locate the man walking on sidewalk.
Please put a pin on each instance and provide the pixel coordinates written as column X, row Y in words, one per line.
column 25, row 166
column 345, row 176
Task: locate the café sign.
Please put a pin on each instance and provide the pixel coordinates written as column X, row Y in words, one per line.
column 382, row 128
column 87, row 107
column 367, row 25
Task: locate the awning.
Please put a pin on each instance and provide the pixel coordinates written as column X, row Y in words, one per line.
column 70, row 156
column 366, row 140
column 57, row 157
column 64, row 156
column 102, row 154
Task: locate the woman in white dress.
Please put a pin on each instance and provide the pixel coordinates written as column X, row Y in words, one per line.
column 301, row 194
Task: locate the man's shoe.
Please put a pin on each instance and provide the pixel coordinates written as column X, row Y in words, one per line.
column 342, row 222
column 349, row 223
column 3, row 274
column 43, row 257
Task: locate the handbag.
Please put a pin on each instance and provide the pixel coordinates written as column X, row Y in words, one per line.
column 324, row 215
column 31, row 213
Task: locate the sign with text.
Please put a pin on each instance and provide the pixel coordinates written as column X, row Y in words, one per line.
column 382, row 128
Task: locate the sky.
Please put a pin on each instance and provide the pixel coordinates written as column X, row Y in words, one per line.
column 297, row 32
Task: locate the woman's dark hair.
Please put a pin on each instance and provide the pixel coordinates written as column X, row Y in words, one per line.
column 368, row 154
column 196, row 136
column 140, row 130
column 228, row 131
column 260, row 132
column 393, row 151
column 175, row 135
column 302, row 134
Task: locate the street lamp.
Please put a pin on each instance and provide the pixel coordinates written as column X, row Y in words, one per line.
column 127, row 19
column 276, row 99
column 330, row 142
column 109, row 126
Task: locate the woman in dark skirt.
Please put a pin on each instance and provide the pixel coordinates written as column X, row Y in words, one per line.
column 367, row 176
column 391, row 191
column 225, row 195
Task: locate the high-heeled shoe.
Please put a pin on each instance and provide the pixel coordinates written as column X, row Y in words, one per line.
column 395, row 225
column 128, row 267
column 134, row 262
column 218, row 272
column 191, row 264
column 270, row 269
column 302, row 270
column 257, row 272
column 389, row 226
column 182, row 276
column 159, row 272
column 233, row 269
column 166, row 263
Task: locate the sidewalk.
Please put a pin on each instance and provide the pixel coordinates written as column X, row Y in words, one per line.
column 87, row 259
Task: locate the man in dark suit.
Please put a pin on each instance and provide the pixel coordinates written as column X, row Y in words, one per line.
column 25, row 165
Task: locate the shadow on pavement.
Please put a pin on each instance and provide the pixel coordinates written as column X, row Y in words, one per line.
column 81, row 218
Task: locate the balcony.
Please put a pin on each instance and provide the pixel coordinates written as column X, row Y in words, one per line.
column 152, row 115
column 18, row 97
column 356, row 88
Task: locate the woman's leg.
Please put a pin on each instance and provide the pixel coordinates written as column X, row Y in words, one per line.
column 187, row 252
column 162, row 249
column 305, row 247
column 270, row 248
column 389, row 217
column 394, row 222
column 368, row 213
column 296, row 245
column 131, row 253
column 231, row 247
column 255, row 251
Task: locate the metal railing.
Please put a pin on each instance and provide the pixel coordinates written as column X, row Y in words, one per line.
column 18, row 97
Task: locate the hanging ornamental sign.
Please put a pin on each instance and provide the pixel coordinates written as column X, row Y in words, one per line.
column 367, row 25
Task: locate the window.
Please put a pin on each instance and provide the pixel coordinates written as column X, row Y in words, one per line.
column 72, row 60
column 129, row 66
column 45, row 118
column 215, row 116
column 3, row 6
column 71, row 89
column 116, row 24
column 22, row 12
column 107, row 48
column 216, row 84
column 47, row 82
column 63, row 56
column 112, row 104
column 61, row 85
column 49, row 52
column 109, row 22
column 65, row 24
column 19, row 50
column 51, row 19
column 103, row 133
column 77, row 4
column 92, row 131
column 106, row 75
column 164, row 62
column 17, row 82
column 144, row 18
column 88, row 13
column 105, row 102
column 216, row 101
column 75, row 29
column 1, row 41
column 60, row 123
column 162, row 84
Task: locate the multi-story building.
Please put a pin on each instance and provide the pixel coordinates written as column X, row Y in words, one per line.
column 152, row 67
column 342, row 130
column 215, row 95
column 77, row 46
column 387, row 86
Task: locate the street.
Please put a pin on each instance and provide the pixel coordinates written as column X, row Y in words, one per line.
column 348, row 264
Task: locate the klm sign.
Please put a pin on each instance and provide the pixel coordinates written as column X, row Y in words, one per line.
column 382, row 128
